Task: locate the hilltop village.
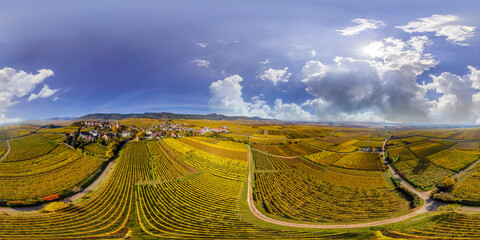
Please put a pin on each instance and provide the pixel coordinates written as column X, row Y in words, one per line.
column 93, row 130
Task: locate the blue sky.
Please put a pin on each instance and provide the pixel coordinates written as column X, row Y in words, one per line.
column 399, row 61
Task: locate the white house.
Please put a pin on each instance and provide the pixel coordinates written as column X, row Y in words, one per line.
column 126, row 133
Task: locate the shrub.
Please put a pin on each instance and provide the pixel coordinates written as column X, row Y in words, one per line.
column 55, row 206
column 16, row 203
column 52, row 197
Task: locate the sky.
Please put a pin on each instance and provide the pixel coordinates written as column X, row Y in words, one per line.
column 306, row 60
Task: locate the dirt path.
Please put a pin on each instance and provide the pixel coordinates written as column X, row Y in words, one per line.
column 464, row 171
column 8, row 151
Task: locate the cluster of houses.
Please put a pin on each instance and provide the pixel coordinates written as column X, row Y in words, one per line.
column 161, row 130
column 103, row 126
column 92, row 135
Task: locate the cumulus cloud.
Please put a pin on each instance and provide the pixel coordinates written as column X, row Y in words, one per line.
column 226, row 98
column 460, row 97
column 16, row 84
column 363, row 24
column 275, row 75
column 201, row 63
column 441, row 25
column 5, row 120
column 381, row 87
column 44, row 93
column 202, row 45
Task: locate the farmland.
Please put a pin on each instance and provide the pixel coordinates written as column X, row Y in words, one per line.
column 196, row 187
column 321, row 195
column 36, row 168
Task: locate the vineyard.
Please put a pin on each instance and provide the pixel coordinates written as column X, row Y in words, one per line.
column 459, row 226
column 320, row 195
column 428, row 162
column 324, row 158
column 103, row 214
column 231, row 150
column 288, row 150
column 195, row 187
column 421, row 173
column 15, row 131
column 28, row 147
column 455, row 160
column 469, row 188
column 361, row 160
column 59, row 170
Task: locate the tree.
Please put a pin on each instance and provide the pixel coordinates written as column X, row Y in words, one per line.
column 447, row 184
column 109, row 153
column 449, row 209
column 141, row 134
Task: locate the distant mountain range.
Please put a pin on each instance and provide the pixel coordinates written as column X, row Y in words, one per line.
column 163, row 115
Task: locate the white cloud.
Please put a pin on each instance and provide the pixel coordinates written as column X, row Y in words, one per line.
column 226, row 98
column 290, row 112
column 201, row 63
column 266, row 61
column 474, row 76
column 394, row 54
column 275, row 75
column 384, row 86
column 314, row 69
column 44, row 93
column 441, row 25
column 5, row 120
column 313, row 53
column 460, row 99
column 381, row 87
column 363, row 24
column 226, row 42
column 16, row 84
column 202, row 45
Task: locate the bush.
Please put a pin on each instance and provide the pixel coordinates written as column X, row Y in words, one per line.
column 55, row 206
column 447, row 184
column 416, row 200
column 52, row 197
column 445, row 197
column 16, row 203
column 395, row 182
